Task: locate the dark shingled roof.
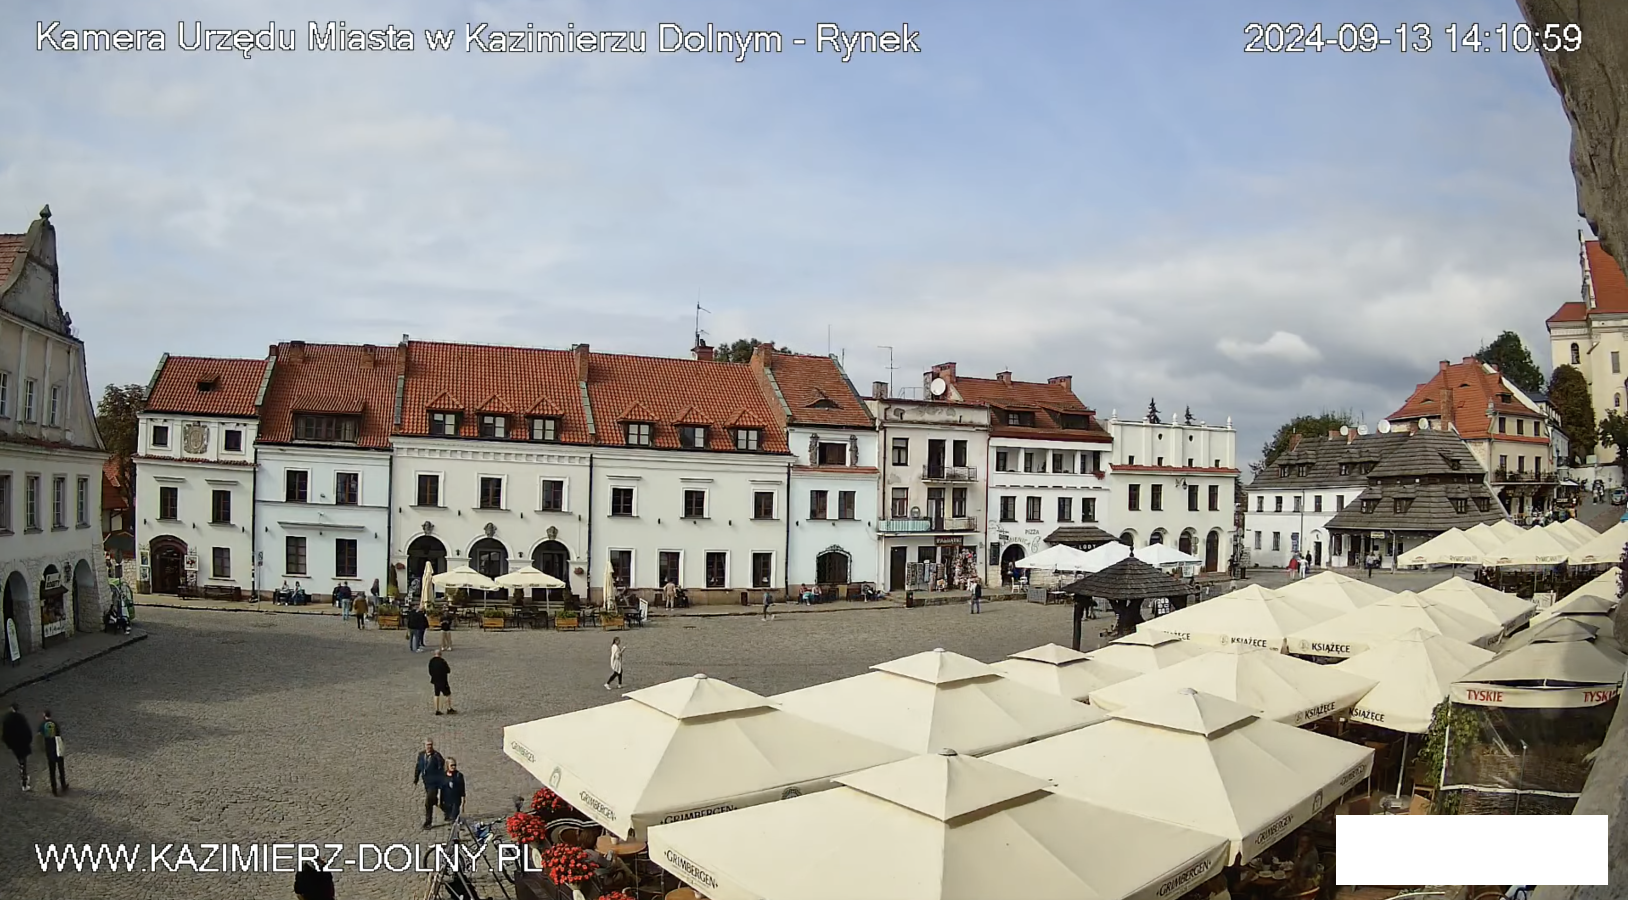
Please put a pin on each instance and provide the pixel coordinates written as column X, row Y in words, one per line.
column 1129, row 579
column 1325, row 456
column 1418, row 470
column 1079, row 534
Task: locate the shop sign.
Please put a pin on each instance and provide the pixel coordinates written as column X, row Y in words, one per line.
column 947, row 540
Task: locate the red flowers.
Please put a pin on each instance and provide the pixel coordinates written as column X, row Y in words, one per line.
column 566, row 864
column 525, row 828
column 617, row 895
column 549, row 805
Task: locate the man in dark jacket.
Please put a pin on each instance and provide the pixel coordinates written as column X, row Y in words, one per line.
column 452, row 790
column 51, row 736
column 439, row 672
column 428, row 770
column 19, row 738
column 420, row 624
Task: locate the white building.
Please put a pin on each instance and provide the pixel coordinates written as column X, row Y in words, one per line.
column 323, row 494
column 1291, row 500
column 51, row 455
column 835, row 479
column 1173, row 483
column 934, row 454
column 1591, row 334
column 195, row 475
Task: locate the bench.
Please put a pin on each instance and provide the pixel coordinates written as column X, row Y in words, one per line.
column 209, row 592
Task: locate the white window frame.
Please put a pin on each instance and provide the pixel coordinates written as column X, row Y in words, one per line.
column 565, row 493
column 503, row 486
column 535, row 421
column 681, row 572
column 82, row 502
column 748, row 440
column 290, row 471
column 728, row 567
column 440, row 490
column 358, row 544
column 339, row 472
column 648, row 433
column 706, row 503
column 31, row 502
column 59, row 502
column 30, row 398
column 774, row 505
column 307, row 545
column 5, row 395
column 632, row 563
column 241, row 443
column 751, row 556
column 53, row 409
column 610, row 500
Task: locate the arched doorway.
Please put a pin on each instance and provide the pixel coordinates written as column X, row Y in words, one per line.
column 425, row 549
column 489, row 557
column 1186, row 541
column 1128, row 538
column 169, row 555
column 53, row 607
column 1212, row 551
column 831, row 566
column 1317, row 549
column 87, row 598
column 19, row 610
column 551, row 558
column 1157, row 537
column 1010, row 555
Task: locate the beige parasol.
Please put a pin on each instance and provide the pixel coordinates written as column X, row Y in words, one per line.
column 464, row 577
column 529, row 577
column 1147, row 651
column 1061, row 671
column 1481, row 601
column 1413, row 673
column 1281, row 688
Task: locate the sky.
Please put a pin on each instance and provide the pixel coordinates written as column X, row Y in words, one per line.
column 1113, row 191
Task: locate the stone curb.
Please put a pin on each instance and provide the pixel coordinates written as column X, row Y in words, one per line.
column 46, row 676
column 246, row 608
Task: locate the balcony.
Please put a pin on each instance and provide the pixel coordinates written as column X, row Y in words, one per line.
column 926, row 525
column 931, row 472
column 1504, row 476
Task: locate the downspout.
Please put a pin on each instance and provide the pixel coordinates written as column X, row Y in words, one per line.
column 588, row 569
column 254, row 482
column 389, row 519
column 785, row 574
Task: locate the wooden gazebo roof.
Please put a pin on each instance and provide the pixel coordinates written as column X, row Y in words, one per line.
column 1129, row 579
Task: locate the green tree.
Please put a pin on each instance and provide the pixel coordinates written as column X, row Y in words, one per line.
column 1510, row 355
column 740, row 351
column 1306, row 426
column 1569, row 396
column 116, row 420
column 1614, row 433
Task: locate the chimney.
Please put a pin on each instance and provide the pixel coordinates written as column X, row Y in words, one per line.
column 763, row 356
column 878, row 390
column 701, row 351
column 369, row 356
column 1003, row 377
column 1294, row 441
column 296, row 351
column 1350, row 435
column 581, row 353
column 945, row 371
column 1067, row 381
column 1333, row 435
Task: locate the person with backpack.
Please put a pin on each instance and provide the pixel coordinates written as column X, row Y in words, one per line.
column 51, row 736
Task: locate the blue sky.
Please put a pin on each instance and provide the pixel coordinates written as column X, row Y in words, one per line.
column 1116, row 192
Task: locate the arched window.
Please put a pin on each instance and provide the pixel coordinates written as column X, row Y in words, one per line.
column 1616, row 401
column 1576, row 355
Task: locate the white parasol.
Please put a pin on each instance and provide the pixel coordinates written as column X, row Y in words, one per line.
column 1602, row 548
column 1344, row 594
column 1386, row 620
column 1061, row 671
column 1413, row 674
column 1281, row 688
column 529, row 577
column 1059, row 558
column 1251, row 615
column 1481, row 601
column 1147, row 651
column 1451, row 547
column 464, row 577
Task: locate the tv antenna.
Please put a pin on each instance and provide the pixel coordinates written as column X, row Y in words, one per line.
column 890, row 367
column 699, row 309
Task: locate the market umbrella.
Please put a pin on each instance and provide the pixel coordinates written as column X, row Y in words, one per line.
column 529, row 577
column 1253, row 616
column 1104, row 555
column 427, row 589
column 1535, row 547
column 1147, row 651
column 1506, row 530
column 1280, row 688
column 1061, row 671
column 1164, row 555
column 1602, row 585
column 1485, row 536
column 1580, row 604
column 1601, row 549
column 1595, row 612
column 1059, row 558
column 1413, row 673
column 1200, row 761
column 936, row 700
column 1580, row 528
column 1566, row 535
column 464, row 577
column 1481, row 601
column 1344, row 595
column 1451, row 547
column 684, row 748
column 1388, row 619
column 1582, row 613
column 943, row 827
column 1561, row 665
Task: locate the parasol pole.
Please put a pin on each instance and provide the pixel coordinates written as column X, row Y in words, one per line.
column 1402, row 764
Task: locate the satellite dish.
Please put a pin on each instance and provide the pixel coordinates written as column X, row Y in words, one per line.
column 1345, row 430
column 1362, row 429
column 1424, row 424
column 1384, row 426
column 937, row 387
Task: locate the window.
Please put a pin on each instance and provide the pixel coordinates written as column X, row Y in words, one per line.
column 1299, row 503
column 637, row 434
column 1401, row 505
column 845, row 503
column 1337, row 544
column 958, row 453
column 1368, row 506
column 1156, row 497
column 1502, row 425
column 1339, row 502
column 1576, row 355
column 901, row 451
column 1065, row 509
column 669, row 566
column 1503, row 463
column 1192, row 498
column 1345, row 468
column 232, row 440
column 1008, row 509
column 55, row 407
column 429, row 490
column 695, row 504
column 1520, row 464
column 493, row 426
column 1159, row 461
column 762, row 569
column 1130, row 460
column 692, row 436
column 296, row 486
column 347, row 488
column 445, row 424
column 29, row 389
column 1483, row 503
column 1317, row 503
column 621, row 563
column 344, row 557
column 294, row 555
column 900, row 503
column 1616, row 401
column 1277, row 504
column 621, row 501
column 1096, row 460
column 832, row 454
column 5, row 393
column 1088, row 509
column 717, row 569
column 59, row 502
column 1461, row 505
column 1028, row 461
column 1074, row 421
column 1277, row 540
column 816, row 504
column 82, row 505
column 1520, row 426
column 1616, row 363
column 1002, row 461
column 220, row 507
column 1257, row 540
column 1133, row 497
column 1059, row 463
column 1215, row 498
column 1260, row 503
column 491, row 492
column 551, row 495
column 337, row 429
column 1022, row 419
column 748, row 438
column 1031, row 509
column 220, row 562
column 160, row 436
column 958, row 502
column 545, row 428
column 169, row 503
column 5, row 503
column 763, row 505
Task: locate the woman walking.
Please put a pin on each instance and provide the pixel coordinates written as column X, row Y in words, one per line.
column 452, row 790
column 446, row 629
column 358, row 606
column 616, row 663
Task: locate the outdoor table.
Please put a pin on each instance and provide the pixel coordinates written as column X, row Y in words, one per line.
column 610, row 846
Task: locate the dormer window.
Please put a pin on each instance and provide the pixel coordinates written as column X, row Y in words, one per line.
column 748, row 438
column 1454, row 464
column 1483, row 504
column 1283, row 471
column 824, row 403
column 1368, row 506
column 1074, row 421
column 445, row 424
column 1461, row 505
column 1401, row 505
column 1020, row 419
column 493, row 426
column 205, row 385
column 636, row 434
column 546, row 428
column 330, row 429
column 1305, row 470
column 1345, row 468
column 1367, row 467
column 692, row 436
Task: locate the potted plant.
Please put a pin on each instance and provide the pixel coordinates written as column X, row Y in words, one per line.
column 549, row 806
column 389, row 615
column 568, row 866
column 566, row 620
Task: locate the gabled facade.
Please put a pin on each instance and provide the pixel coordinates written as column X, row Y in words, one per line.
column 195, row 474
column 1293, row 497
column 1591, row 333
column 51, row 455
column 322, row 497
column 1173, row 483
column 118, row 515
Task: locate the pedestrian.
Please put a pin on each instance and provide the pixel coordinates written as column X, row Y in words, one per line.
column 768, row 601
column 669, row 593
column 418, row 622
column 51, row 736
column 358, row 608
column 428, row 770
column 375, row 592
column 1294, row 566
column 342, row 596
column 616, row 663
column 446, row 628
column 16, row 734
column 439, row 670
column 452, row 791
column 977, row 597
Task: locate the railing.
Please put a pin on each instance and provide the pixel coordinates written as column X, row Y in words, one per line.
column 949, row 473
column 1504, row 476
column 927, row 525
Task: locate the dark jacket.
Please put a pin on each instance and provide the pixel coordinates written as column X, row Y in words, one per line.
column 429, row 769
column 439, row 670
column 421, row 620
column 452, row 791
column 16, row 734
column 50, row 730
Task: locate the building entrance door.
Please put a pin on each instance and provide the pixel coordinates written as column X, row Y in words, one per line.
column 898, row 558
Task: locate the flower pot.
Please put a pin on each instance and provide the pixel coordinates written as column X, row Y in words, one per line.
column 565, row 622
column 389, row 620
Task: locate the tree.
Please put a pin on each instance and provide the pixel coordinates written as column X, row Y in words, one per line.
column 1614, row 433
column 1569, row 396
column 116, row 420
column 1153, row 413
column 1510, row 355
column 1306, row 426
column 740, row 351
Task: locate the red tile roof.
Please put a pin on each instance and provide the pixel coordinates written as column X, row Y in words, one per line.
column 12, row 249
column 450, row 377
column 663, row 391
column 332, row 379
column 112, row 477
column 235, row 386
column 1610, row 288
column 1047, row 400
column 1570, row 311
column 815, row 390
column 1469, row 386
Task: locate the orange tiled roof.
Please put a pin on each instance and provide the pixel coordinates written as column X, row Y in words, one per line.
column 1610, row 288
column 1471, row 387
column 12, row 248
column 663, row 391
column 112, row 477
column 449, row 377
column 1570, row 311
column 332, row 379
column 235, row 386
column 1047, row 400
column 815, row 390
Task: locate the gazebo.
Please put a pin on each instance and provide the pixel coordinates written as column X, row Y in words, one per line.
column 1125, row 584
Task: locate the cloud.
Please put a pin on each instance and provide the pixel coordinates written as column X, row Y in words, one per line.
column 1282, row 346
